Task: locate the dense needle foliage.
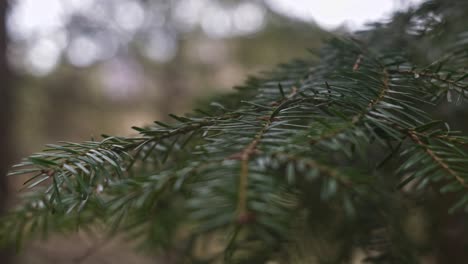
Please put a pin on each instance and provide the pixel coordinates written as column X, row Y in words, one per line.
column 313, row 160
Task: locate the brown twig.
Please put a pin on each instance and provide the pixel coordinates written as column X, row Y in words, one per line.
column 358, row 62
column 245, row 155
column 436, row 158
column 429, row 75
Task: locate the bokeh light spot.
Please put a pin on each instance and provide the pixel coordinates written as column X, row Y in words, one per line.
column 129, row 15
column 29, row 17
column 161, row 47
column 82, row 51
column 248, row 18
column 216, row 22
column 42, row 57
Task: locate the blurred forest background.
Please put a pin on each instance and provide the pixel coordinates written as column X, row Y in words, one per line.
column 82, row 68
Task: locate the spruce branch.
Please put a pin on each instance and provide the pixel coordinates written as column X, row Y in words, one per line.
column 251, row 150
column 295, row 140
column 438, row 159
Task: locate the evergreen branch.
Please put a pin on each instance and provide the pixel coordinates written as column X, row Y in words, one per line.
column 351, row 96
column 453, row 139
column 429, row 75
column 437, row 159
column 360, row 116
column 89, row 157
column 250, row 150
column 313, row 164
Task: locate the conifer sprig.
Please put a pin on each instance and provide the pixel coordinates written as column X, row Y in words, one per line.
column 286, row 147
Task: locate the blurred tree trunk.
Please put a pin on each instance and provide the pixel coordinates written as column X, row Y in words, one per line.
column 5, row 118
